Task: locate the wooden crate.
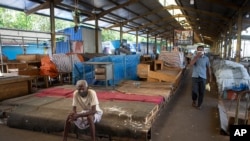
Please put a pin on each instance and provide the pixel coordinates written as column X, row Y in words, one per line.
column 40, row 56
column 152, row 80
column 14, row 87
column 19, row 66
column 30, row 72
column 165, row 76
column 100, row 77
column 5, row 59
column 146, row 88
column 142, row 70
column 161, row 76
column 26, row 57
column 158, row 64
column 100, row 70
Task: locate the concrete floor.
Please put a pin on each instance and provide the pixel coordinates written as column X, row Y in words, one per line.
column 178, row 121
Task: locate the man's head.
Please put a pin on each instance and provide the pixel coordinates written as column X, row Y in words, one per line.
column 200, row 49
column 82, row 87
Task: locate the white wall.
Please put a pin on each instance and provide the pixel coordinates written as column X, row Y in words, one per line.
column 89, row 41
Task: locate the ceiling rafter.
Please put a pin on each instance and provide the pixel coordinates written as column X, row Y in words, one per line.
column 138, row 17
column 164, row 27
column 103, row 13
column 152, row 23
column 44, row 5
column 71, row 8
column 148, row 9
column 224, row 4
column 211, row 14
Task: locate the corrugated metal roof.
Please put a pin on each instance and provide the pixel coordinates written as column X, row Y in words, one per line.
column 211, row 18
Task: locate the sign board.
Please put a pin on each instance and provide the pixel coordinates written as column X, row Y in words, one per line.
column 183, row 37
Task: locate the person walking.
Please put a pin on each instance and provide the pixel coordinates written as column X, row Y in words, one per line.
column 201, row 68
column 91, row 112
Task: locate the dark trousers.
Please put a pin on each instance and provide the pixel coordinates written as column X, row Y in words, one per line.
column 198, row 89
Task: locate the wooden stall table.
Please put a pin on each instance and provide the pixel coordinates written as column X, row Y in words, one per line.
column 13, row 86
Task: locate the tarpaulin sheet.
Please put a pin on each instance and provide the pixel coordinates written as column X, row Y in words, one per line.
column 119, row 68
column 102, row 95
column 131, row 66
column 125, row 67
column 230, row 76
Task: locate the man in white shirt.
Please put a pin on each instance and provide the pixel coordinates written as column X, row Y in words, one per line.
column 91, row 113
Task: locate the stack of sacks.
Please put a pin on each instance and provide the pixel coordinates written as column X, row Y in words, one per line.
column 230, row 75
column 64, row 63
column 172, row 59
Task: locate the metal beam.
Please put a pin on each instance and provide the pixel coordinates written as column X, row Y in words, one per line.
column 45, row 5
column 211, row 14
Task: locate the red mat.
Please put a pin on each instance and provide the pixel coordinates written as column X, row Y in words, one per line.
column 61, row 92
column 102, row 95
column 105, row 95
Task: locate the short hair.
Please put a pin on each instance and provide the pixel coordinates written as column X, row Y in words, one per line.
column 81, row 82
column 200, row 47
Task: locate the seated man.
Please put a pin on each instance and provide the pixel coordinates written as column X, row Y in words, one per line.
column 91, row 112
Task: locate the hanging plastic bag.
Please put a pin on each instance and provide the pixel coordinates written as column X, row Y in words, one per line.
column 208, row 87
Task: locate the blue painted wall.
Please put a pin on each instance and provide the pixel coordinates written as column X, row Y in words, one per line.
column 12, row 51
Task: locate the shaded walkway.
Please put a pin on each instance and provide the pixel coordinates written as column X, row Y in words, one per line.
column 179, row 121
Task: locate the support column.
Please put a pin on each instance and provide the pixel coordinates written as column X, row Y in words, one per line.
column 167, row 44
column 221, row 46
column 215, row 47
column 155, row 46
column 96, row 35
column 121, row 33
column 147, row 42
column 230, row 41
column 136, row 40
column 218, row 47
column 155, row 40
column 225, row 47
column 1, row 54
column 161, row 44
column 52, row 27
column 238, row 47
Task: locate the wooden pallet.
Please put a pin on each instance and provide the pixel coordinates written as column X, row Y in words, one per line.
column 172, row 76
column 158, row 65
column 146, row 88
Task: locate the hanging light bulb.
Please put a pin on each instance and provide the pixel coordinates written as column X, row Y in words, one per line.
column 191, row 2
column 247, row 15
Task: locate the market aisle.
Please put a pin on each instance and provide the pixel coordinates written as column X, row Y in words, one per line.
column 179, row 121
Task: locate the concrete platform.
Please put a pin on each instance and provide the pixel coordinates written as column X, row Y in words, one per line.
column 47, row 113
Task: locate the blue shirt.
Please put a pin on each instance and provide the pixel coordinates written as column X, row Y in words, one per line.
column 200, row 67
